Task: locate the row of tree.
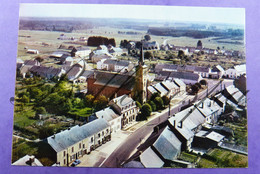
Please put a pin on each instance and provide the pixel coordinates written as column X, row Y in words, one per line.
column 156, row 103
column 99, row 40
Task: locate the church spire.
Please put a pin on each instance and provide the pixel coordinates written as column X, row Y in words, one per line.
column 141, row 58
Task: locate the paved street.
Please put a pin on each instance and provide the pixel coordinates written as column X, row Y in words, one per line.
column 124, row 143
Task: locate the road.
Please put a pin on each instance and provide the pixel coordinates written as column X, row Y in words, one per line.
column 125, row 149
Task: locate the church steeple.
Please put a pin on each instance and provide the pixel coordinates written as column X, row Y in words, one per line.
column 141, row 58
column 140, row 87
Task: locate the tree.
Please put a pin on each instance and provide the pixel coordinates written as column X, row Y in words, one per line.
column 40, row 110
column 195, row 89
column 147, row 37
column 203, row 82
column 100, row 103
column 180, row 54
column 198, row 85
column 25, row 99
column 138, row 104
column 39, row 59
column 153, row 105
column 166, row 100
column 89, row 100
column 146, row 110
column 159, row 102
column 148, row 55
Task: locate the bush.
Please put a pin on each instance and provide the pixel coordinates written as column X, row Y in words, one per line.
column 146, row 110
column 159, row 102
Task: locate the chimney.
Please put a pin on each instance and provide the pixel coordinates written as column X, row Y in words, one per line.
column 202, row 105
column 174, row 123
column 31, row 160
column 180, row 124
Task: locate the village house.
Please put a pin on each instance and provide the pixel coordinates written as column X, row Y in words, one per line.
column 19, row 64
column 126, row 107
column 110, row 84
column 186, row 77
column 28, row 64
column 202, row 71
column 113, row 119
column 74, row 72
column 236, row 71
column 59, row 54
column 167, row 146
column 66, row 60
column 98, row 55
column 233, row 94
column 207, row 139
column 73, row 143
column 115, row 65
column 172, row 88
column 32, row 51
column 181, row 85
column 47, row 72
column 149, row 159
column 102, row 47
column 216, row 72
column 154, row 45
column 210, row 110
column 164, row 88
column 28, row 160
column 82, row 52
column 185, row 124
column 116, row 51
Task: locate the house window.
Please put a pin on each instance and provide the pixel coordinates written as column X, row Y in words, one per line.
column 79, row 145
column 99, row 142
column 98, row 135
column 83, row 146
column 91, row 139
column 64, row 153
column 102, row 133
column 64, row 161
column 107, row 130
column 72, row 149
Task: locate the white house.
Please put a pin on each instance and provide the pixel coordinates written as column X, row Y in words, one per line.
column 236, row 71
column 31, row 51
column 74, row 142
column 115, row 65
column 126, row 107
column 111, row 117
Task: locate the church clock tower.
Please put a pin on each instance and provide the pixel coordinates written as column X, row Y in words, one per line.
column 141, row 79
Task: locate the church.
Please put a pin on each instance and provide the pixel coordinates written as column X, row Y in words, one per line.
column 112, row 85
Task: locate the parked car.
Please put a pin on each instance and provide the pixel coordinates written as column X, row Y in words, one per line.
column 76, row 162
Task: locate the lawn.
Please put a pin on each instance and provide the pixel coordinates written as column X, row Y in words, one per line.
column 188, row 157
column 85, row 112
column 24, row 117
column 219, row 158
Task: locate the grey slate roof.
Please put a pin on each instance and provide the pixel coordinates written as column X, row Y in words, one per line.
column 67, row 138
column 193, row 119
column 179, row 75
column 150, row 160
column 116, row 62
column 184, row 131
column 168, row 145
column 108, row 114
column 133, row 164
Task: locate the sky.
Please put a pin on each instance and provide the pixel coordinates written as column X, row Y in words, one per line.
column 174, row 13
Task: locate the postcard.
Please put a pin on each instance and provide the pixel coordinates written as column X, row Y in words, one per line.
column 130, row 86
